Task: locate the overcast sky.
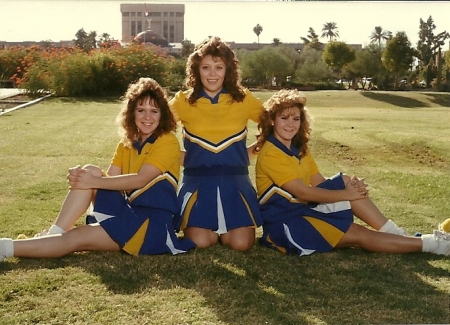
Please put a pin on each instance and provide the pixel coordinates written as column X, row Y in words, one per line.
column 36, row 20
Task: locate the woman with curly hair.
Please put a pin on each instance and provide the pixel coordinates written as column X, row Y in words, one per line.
column 217, row 197
column 305, row 213
column 133, row 201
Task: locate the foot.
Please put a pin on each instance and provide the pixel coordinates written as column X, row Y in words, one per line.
column 41, row 234
column 442, row 242
column 6, row 248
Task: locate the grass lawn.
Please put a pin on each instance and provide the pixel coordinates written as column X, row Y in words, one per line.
column 398, row 141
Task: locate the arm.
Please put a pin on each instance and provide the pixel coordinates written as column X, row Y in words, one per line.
column 116, row 181
column 315, row 194
column 251, row 151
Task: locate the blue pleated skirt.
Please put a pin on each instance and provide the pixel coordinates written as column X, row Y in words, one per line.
column 219, row 202
column 139, row 230
column 306, row 229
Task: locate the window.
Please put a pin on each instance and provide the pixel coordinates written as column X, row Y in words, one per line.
column 126, row 14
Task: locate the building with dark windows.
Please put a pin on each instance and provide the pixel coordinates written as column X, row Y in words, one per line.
column 166, row 20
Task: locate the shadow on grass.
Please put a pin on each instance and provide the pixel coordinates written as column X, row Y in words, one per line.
column 265, row 287
column 396, row 100
column 439, row 98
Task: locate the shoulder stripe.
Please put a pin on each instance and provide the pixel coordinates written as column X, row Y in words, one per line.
column 166, row 176
column 208, row 145
column 272, row 190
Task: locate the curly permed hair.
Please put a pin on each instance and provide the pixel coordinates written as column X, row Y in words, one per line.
column 137, row 93
column 215, row 47
column 277, row 104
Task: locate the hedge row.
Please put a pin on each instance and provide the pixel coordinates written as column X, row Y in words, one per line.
column 72, row 72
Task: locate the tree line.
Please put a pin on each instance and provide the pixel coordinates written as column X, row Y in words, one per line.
column 100, row 66
column 390, row 60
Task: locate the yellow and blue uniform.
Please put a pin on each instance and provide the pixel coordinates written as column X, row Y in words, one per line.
column 216, row 192
column 141, row 220
column 289, row 225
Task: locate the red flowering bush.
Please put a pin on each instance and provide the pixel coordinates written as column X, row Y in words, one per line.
column 72, row 72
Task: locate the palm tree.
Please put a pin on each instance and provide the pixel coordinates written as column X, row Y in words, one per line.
column 276, row 41
column 379, row 34
column 312, row 39
column 330, row 30
column 257, row 30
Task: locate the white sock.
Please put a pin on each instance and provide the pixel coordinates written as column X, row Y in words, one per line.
column 390, row 227
column 429, row 243
column 6, row 247
column 55, row 230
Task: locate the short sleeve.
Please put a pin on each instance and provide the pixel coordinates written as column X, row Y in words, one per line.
column 117, row 159
column 254, row 105
column 277, row 168
column 165, row 152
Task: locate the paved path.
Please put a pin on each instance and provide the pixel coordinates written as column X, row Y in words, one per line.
column 8, row 92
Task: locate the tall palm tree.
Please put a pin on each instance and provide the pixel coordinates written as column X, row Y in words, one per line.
column 330, row 30
column 379, row 34
column 257, row 30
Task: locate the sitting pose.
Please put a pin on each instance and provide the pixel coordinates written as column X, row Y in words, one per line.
column 305, row 213
column 134, row 201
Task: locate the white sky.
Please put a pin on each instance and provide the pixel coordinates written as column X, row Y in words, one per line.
column 36, row 20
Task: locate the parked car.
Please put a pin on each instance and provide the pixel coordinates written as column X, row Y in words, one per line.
column 342, row 81
column 422, row 83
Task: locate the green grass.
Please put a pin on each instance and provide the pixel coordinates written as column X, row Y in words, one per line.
column 398, row 141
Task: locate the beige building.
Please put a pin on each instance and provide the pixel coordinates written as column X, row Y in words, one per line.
column 166, row 20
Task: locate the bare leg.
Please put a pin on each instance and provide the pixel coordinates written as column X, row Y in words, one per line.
column 366, row 210
column 240, row 239
column 83, row 238
column 76, row 203
column 374, row 241
column 202, row 237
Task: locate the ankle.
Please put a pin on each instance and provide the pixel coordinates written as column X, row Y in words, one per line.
column 55, row 230
column 429, row 243
column 391, row 228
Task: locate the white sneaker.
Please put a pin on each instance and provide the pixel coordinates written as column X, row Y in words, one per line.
column 43, row 233
column 443, row 243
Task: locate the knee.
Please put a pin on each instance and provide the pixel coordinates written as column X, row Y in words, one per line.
column 239, row 243
column 202, row 239
column 242, row 245
column 96, row 171
column 345, row 178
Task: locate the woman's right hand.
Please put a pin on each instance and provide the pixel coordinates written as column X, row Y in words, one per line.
column 74, row 176
column 356, row 189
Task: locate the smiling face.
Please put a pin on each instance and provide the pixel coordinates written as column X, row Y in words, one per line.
column 146, row 117
column 212, row 74
column 286, row 125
